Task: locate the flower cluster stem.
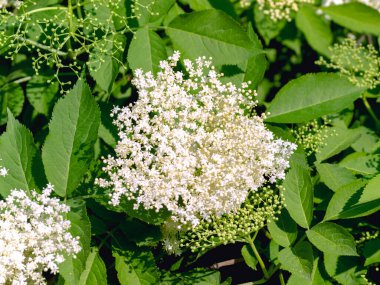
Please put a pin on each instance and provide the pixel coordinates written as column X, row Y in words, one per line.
column 257, row 255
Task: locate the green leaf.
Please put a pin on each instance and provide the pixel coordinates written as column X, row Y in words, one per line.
column 318, row 276
column 249, row 256
column 371, row 251
column 366, row 142
column 197, row 276
column 338, row 142
column 135, row 265
column 20, row 156
column 73, row 131
column 361, row 163
column 332, row 238
column 298, row 260
column 146, row 51
column 104, row 62
column 95, row 271
column 72, row 268
column 299, row 195
column 334, row 176
column 283, row 230
column 356, row 17
column 155, row 11
column 344, row 269
column 212, row 33
column 312, row 96
column 12, row 97
column 354, row 201
column 224, row 5
column 315, row 28
column 41, row 94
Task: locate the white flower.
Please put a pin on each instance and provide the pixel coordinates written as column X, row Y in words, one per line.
column 33, row 236
column 8, row 3
column 187, row 144
column 375, row 4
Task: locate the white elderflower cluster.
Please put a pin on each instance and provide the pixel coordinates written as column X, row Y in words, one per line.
column 281, row 9
column 9, row 3
column 375, row 4
column 245, row 3
column 34, row 237
column 188, row 144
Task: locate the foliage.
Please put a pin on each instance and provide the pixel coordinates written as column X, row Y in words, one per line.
column 65, row 64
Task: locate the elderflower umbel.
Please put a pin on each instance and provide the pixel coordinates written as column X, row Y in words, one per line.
column 187, row 145
column 34, row 236
column 280, row 9
column 9, row 3
column 361, row 64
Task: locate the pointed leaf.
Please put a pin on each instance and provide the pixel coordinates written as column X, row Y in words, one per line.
column 334, row 176
column 146, row 51
column 354, row 201
column 19, row 155
column 298, row 260
column 69, row 146
column 312, row 96
column 332, row 238
column 299, row 195
column 283, row 230
column 95, row 272
column 72, row 268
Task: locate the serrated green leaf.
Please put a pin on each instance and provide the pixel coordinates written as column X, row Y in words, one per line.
column 72, row 268
column 135, row 265
column 371, row 251
column 146, row 51
column 362, row 163
column 354, row 201
column 332, row 238
column 104, row 62
column 298, row 260
column 318, row 276
column 366, row 142
column 12, row 97
column 284, row 229
column 338, row 142
column 355, row 16
column 334, row 176
column 299, row 195
column 41, row 94
column 197, row 276
column 315, row 29
column 20, row 156
column 312, row 96
column 344, row 269
column 73, row 131
column 95, row 272
column 212, row 33
column 249, row 256
column 155, row 11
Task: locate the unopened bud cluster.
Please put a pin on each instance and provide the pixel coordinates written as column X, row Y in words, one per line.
column 258, row 209
column 312, row 135
column 34, row 236
column 281, row 9
column 188, row 144
column 359, row 63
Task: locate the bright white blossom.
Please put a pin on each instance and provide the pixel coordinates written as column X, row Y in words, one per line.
column 188, row 144
column 281, row 9
column 245, row 3
column 34, row 237
column 375, row 4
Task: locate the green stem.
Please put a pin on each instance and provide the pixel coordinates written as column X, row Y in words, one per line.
column 71, row 32
column 370, row 111
column 44, row 9
column 257, row 255
column 282, row 281
column 41, row 46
